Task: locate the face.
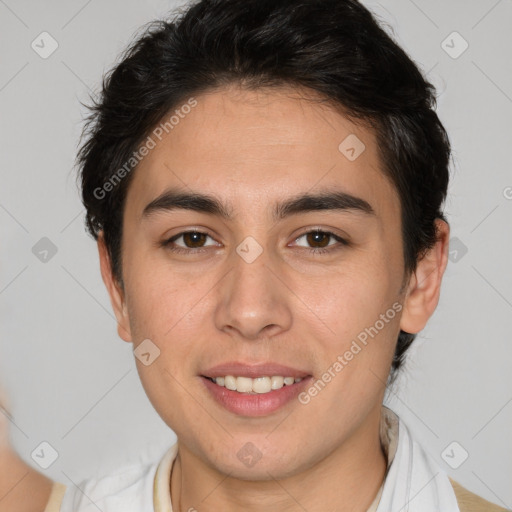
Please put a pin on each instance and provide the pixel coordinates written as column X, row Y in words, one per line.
column 267, row 285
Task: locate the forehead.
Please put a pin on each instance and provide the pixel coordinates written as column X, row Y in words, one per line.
column 255, row 147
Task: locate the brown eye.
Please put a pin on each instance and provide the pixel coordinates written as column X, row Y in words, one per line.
column 192, row 241
column 318, row 241
column 318, row 237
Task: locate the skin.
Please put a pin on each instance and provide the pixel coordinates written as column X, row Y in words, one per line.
column 22, row 488
column 251, row 149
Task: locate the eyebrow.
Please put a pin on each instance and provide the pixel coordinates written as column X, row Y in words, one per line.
column 337, row 200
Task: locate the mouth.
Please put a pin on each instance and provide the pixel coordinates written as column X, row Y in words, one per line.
column 248, row 389
column 254, row 386
column 257, row 395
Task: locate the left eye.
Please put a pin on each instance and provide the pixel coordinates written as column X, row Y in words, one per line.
column 322, row 238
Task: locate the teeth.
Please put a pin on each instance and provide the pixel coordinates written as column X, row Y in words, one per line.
column 257, row 385
column 260, row 385
column 244, row 384
column 229, row 382
column 276, row 382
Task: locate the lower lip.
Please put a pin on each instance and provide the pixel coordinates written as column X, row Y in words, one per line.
column 259, row 404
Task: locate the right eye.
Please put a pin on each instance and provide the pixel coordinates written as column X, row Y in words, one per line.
column 193, row 242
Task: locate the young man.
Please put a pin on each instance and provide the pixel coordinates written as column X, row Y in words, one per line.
column 265, row 182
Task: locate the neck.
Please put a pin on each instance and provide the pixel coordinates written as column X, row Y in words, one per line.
column 347, row 479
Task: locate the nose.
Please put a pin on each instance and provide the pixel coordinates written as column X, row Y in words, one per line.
column 253, row 300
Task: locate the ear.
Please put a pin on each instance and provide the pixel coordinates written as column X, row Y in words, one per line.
column 424, row 286
column 115, row 291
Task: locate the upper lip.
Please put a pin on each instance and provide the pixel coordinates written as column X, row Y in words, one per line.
column 267, row 369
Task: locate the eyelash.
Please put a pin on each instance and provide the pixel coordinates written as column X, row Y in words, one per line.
column 319, row 250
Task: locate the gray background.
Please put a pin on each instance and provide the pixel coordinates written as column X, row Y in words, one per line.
column 73, row 383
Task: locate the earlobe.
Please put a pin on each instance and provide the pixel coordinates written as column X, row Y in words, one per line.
column 114, row 290
column 424, row 287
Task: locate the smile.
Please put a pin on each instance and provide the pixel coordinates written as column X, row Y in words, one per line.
column 258, row 385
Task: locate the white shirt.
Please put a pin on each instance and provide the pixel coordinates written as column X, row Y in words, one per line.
column 413, row 482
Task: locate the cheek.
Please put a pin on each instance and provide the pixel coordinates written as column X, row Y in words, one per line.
column 359, row 325
column 166, row 308
column 350, row 299
column 159, row 303
column 171, row 308
column 362, row 314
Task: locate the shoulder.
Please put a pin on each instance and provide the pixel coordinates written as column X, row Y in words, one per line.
column 128, row 489
column 471, row 502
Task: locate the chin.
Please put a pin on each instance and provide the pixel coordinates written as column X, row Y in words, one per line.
column 245, row 460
